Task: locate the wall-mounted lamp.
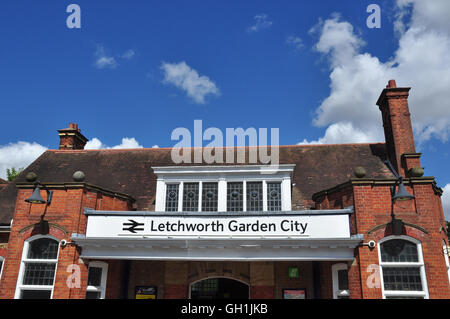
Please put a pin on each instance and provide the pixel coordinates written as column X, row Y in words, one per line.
column 36, row 197
column 401, row 195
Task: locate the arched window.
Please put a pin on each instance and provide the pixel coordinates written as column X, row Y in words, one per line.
column 340, row 281
column 446, row 256
column 402, row 269
column 38, row 268
column 2, row 261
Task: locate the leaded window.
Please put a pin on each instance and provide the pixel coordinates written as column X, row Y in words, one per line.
column 235, row 198
column 209, row 197
column 2, row 260
column 38, row 267
column 190, row 197
column 402, row 278
column 254, row 196
column 398, row 250
column 402, row 269
column 213, row 196
column 446, row 258
column 274, row 196
column 172, row 197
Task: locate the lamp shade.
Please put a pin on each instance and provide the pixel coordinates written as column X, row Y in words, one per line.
column 36, row 198
column 402, row 193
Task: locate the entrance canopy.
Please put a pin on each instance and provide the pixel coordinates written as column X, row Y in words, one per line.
column 239, row 236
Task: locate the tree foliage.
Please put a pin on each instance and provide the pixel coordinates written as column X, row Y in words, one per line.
column 448, row 230
column 12, row 173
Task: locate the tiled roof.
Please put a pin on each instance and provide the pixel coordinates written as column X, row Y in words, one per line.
column 129, row 171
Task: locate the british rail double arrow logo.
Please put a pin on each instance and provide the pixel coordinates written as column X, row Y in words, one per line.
column 133, row 226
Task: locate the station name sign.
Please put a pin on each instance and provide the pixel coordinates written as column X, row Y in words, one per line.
column 300, row 226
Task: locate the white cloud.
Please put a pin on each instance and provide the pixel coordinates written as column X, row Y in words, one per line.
column 342, row 132
column 129, row 54
column 96, row 144
column 446, row 202
column 155, row 146
column 103, row 60
column 261, row 23
column 295, row 42
column 187, row 79
column 17, row 155
column 421, row 61
column 22, row 154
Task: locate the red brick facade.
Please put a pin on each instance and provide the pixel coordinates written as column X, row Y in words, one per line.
column 374, row 210
column 65, row 216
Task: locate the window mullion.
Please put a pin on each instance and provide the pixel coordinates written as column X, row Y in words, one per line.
column 244, row 196
column 180, row 196
column 265, row 208
column 399, row 264
column 222, row 195
column 41, row 261
column 200, row 195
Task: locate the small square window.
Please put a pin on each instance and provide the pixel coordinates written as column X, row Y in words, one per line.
column 95, row 276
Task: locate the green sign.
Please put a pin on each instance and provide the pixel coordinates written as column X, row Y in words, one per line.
column 293, row 272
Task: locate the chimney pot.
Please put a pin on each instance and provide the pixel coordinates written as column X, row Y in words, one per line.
column 392, row 84
column 71, row 138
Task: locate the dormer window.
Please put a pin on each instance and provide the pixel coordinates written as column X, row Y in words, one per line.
column 223, row 188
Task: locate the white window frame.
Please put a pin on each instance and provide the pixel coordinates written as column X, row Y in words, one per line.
column 222, row 175
column 419, row 264
column 446, row 258
column 2, row 260
column 25, row 260
column 335, row 276
column 102, row 288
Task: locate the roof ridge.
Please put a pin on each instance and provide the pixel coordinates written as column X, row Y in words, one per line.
column 223, row 147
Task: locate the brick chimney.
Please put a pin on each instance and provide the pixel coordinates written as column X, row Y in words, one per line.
column 393, row 103
column 71, row 138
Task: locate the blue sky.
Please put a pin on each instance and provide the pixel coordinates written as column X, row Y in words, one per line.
column 109, row 76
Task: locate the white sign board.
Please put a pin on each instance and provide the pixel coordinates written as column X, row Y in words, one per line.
column 298, row 226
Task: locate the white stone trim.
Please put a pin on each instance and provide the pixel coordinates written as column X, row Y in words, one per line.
column 218, row 249
column 223, row 174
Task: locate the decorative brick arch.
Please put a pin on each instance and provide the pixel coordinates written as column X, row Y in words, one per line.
column 33, row 230
column 381, row 231
column 231, row 270
column 214, row 277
